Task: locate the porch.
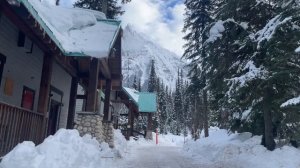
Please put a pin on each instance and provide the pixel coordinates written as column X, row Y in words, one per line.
column 18, row 125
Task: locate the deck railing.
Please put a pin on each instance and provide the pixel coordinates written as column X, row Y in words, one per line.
column 18, row 125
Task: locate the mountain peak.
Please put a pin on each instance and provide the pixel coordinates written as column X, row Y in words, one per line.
column 137, row 53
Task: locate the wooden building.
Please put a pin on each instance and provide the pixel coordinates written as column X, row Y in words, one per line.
column 138, row 103
column 39, row 77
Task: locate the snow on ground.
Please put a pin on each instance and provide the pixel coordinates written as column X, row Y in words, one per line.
column 163, row 140
column 239, row 151
column 66, row 149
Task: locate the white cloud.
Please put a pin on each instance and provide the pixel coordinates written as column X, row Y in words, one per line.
column 161, row 23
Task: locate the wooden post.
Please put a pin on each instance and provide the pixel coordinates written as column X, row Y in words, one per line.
column 107, row 116
column 45, row 91
column 149, row 127
column 92, row 86
column 72, row 103
column 129, row 128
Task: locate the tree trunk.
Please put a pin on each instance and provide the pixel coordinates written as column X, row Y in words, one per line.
column 268, row 139
column 205, row 113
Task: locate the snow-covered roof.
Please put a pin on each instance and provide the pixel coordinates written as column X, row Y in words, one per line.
column 134, row 94
column 77, row 32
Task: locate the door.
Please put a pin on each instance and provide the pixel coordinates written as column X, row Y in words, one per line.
column 53, row 117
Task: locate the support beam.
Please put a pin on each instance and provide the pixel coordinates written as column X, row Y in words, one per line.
column 45, row 90
column 72, row 103
column 129, row 125
column 107, row 115
column 92, row 86
column 149, row 127
column 105, row 68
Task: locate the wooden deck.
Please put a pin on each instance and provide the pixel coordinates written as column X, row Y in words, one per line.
column 18, row 125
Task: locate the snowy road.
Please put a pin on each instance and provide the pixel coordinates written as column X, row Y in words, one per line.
column 157, row 157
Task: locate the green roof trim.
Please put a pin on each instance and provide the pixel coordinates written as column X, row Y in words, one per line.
column 34, row 13
column 147, row 102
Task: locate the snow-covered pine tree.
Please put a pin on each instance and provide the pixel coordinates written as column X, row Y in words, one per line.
column 152, row 82
column 253, row 60
column 135, row 84
column 198, row 17
column 112, row 8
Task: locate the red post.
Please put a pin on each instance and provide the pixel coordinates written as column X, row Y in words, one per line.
column 156, row 136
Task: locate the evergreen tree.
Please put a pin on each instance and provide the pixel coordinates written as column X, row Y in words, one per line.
column 251, row 68
column 135, row 84
column 139, row 85
column 152, row 82
column 198, row 17
column 110, row 6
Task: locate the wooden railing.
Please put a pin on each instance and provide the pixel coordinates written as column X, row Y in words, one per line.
column 18, row 125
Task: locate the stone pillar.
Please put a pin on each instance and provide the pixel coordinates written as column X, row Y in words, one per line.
column 108, row 133
column 90, row 123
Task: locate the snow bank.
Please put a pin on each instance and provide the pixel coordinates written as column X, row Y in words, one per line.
column 239, row 151
column 66, row 149
column 120, row 143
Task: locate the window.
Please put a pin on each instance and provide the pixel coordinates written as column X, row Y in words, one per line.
column 28, row 98
column 2, row 62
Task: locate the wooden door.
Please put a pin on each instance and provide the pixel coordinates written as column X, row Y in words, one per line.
column 53, row 117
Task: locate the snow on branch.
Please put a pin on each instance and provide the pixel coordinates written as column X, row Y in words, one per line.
column 215, row 31
column 253, row 72
column 293, row 101
column 268, row 31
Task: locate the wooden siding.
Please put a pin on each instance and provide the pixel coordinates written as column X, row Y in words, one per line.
column 21, row 68
column 62, row 81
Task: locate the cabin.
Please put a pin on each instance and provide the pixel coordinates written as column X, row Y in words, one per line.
column 43, row 61
column 137, row 104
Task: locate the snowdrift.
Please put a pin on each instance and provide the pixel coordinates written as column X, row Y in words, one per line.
column 66, row 149
column 240, row 151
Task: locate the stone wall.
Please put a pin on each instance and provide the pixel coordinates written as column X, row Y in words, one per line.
column 92, row 123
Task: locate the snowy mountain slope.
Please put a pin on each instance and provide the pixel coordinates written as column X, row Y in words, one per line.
column 137, row 53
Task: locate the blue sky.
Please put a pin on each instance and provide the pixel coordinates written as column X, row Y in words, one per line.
column 161, row 20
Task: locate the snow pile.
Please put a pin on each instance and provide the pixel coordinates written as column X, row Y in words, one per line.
column 239, row 151
column 120, row 143
column 215, row 31
column 297, row 50
column 77, row 30
column 66, row 149
column 293, row 101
